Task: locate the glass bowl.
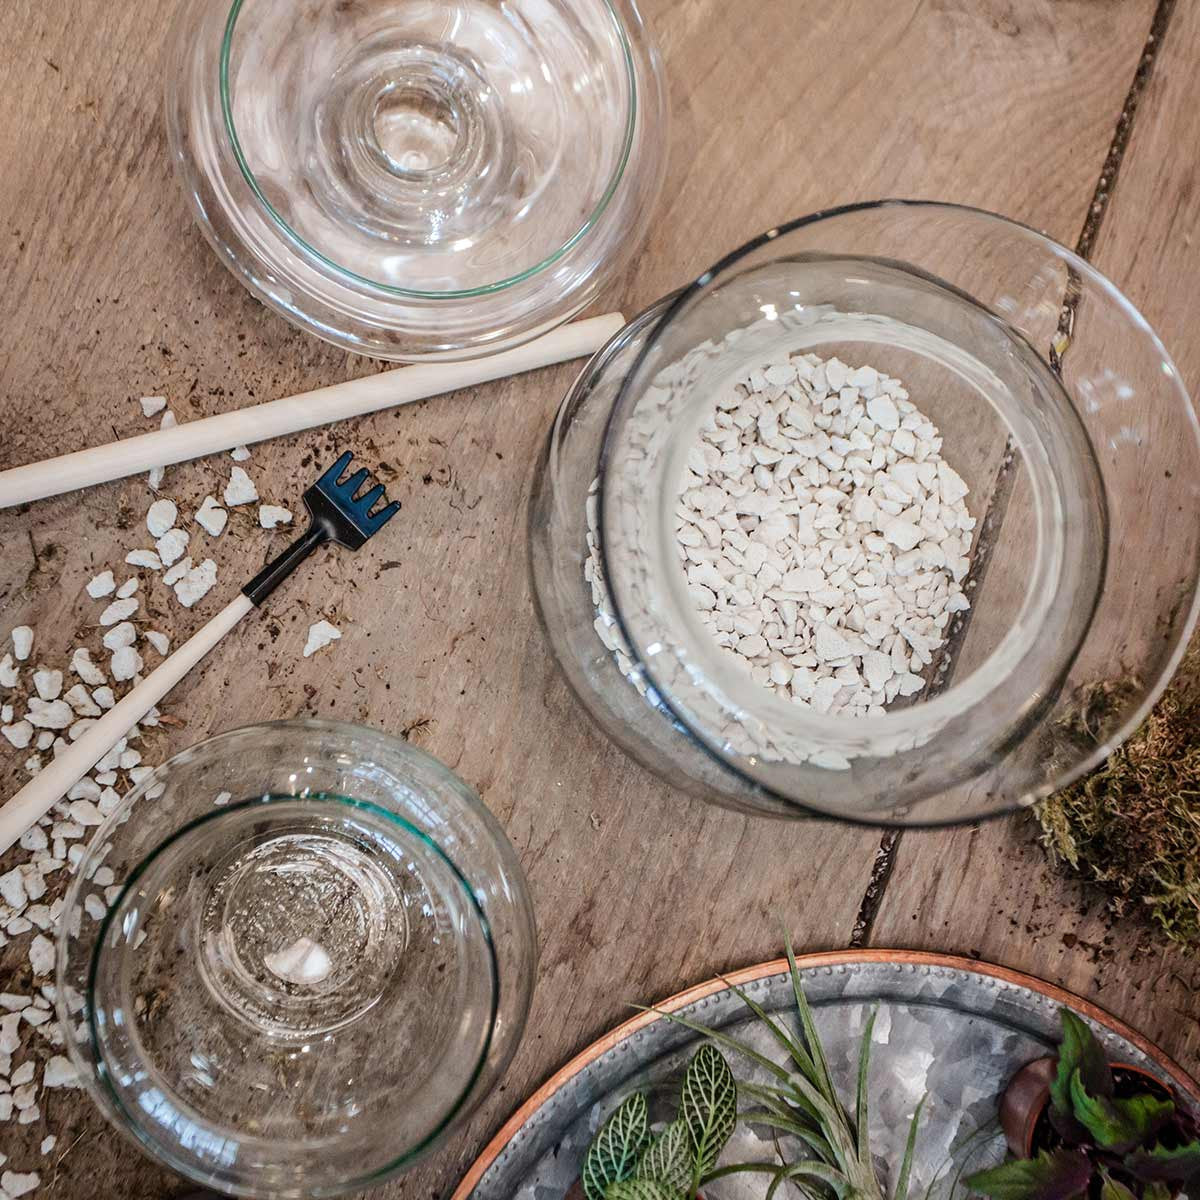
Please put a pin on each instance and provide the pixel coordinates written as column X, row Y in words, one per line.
column 317, row 957
column 418, row 179
column 1058, row 407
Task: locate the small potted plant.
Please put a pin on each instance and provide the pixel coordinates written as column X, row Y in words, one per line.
column 1077, row 1125
column 626, row 1162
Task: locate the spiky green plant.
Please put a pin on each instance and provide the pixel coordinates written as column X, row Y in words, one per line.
column 801, row 1101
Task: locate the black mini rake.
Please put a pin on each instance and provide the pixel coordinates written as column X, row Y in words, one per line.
column 336, row 514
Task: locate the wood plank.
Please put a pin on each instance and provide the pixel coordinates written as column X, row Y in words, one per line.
column 110, row 294
column 988, row 890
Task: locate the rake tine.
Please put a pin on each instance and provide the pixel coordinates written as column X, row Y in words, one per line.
column 355, row 482
column 369, row 499
column 384, row 514
column 331, row 476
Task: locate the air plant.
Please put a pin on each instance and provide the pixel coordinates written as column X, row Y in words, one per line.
column 798, row 1102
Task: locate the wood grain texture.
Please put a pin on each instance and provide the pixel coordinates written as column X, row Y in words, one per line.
column 110, row 294
column 988, row 890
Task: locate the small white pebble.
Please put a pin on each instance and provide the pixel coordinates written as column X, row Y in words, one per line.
column 177, row 572
column 78, row 698
column 240, row 489
column 23, row 1074
column 271, row 515
column 16, row 1184
column 152, row 405
column 84, row 812
column 48, row 683
column 49, row 714
column 82, row 665
column 126, row 663
column 197, row 583
column 172, row 545
column 119, row 610
column 41, row 957
column 104, row 697
column 127, row 588
column 154, row 477
column 9, row 674
column 34, row 839
column 19, row 734
column 211, row 517
column 47, row 1145
column 320, row 634
column 239, row 454
column 22, row 641
column 144, row 558
column 120, row 635
column 161, row 517
column 159, row 641
column 304, row 961
column 59, row 1072
column 223, row 798
column 94, row 906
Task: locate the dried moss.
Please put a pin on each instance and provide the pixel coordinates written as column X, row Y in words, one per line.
column 1132, row 827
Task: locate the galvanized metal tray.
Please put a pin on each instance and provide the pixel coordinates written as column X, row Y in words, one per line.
column 951, row 1029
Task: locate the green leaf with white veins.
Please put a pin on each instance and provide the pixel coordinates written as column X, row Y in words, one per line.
column 668, row 1159
column 614, row 1152
column 708, row 1106
column 641, row 1189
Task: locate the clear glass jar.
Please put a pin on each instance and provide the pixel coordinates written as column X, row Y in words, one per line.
column 317, row 959
column 1058, row 406
column 418, row 179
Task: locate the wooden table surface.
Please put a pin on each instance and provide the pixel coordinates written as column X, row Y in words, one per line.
column 1076, row 116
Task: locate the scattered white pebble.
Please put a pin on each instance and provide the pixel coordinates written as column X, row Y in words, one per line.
column 271, row 515
column 84, row 812
column 41, row 956
column 82, row 665
column 154, row 477
column 223, row 798
column 126, row 663
column 48, row 683
column 58, row 1072
column 119, row 610
column 79, row 699
column 94, row 906
column 144, row 558
column 127, row 588
column 161, row 517
column 49, row 714
column 9, row 674
column 211, row 517
column 120, row 635
column 104, row 697
column 320, row 634
column 48, row 1144
column 23, row 1074
column 172, row 545
column 177, row 572
column 152, row 405
column 12, row 889
column 240, row 489
column 19, row 734
column 16, row 1184
column 159, row 641
column 197, row 583
column 102, row 585
column 22, row 641
column 239, row 454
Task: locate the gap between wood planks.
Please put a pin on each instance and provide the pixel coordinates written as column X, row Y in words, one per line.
column 885, row 856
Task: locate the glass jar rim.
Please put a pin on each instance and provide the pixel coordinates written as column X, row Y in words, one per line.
column 486, row 289
column 97, row 1081
column 976, row 685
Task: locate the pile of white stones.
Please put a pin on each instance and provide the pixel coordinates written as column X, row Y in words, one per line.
column 824, row 537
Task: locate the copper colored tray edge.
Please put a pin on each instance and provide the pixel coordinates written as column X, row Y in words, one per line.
column 832, row 958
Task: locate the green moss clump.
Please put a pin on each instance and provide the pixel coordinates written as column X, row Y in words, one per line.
column 1133, row 826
